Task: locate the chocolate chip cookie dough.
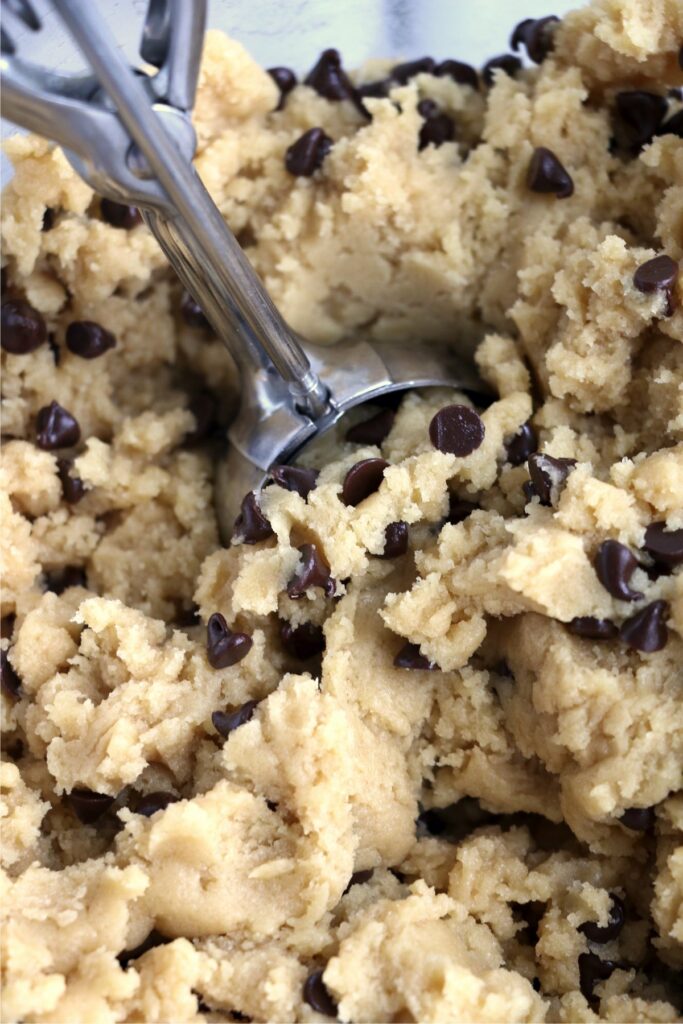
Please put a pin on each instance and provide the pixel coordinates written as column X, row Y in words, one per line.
column 411, row 747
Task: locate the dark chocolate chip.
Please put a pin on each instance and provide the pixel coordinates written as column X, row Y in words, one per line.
column 402, row 73
column 507, row 62
column 672, row 126
column 642, row 113
column 285, row 79
column 71, row 576
column 88, row 340
column 317, row 996
column 638, row 819
column 456, row 430
column 459, row 509
column 204, row 408
column 23, row 328
column 410, row 657
column 48, row 219
column 665, row 546
column 119, row 215
column 646, row 630
column 547, row 175
column 56, row 428
column 225, row 722
column 437, row 128
column 153, row 802
column 593, row 629
column 9, row 680
column 306, row 155
column 223, row 647
column 362, row 480
column 73, row 487
column 658, row 275
column 373, row 430
column 615, row 564
column 304, row 641
column 153, row 940
column 192, row 313
column 548, row 474
column 463, row 74
column 605, row 933
column 522, row 445
column 251, row 526
column 375, row 90
column 295, row 478
column 536, row 34
column 329, row 79
column 87, row 805
column 395, row 540
column 314, row 572
column 592, row 970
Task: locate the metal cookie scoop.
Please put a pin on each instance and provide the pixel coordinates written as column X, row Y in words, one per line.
column 128, row 133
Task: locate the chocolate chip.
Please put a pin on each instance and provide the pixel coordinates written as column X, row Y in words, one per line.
column 507, row 62
column 395, row 540
column 329, row 79
column 614, row 565
column 204, row 408
column 153, row 940
column 251, row 526
column 306, row 155
column 592, row 970
column 463, row 74
column 295, row 478
column 402, row 73
column 9, row 680
column 374, row 90
column 672, row 126
column 304, row 641
column 285, row 80
column 48, row 219
column 593, row 629
column 646, row 630
column 223, row 647
column 522, row 445
column 605, row 933
column 410, row 657
column 536, row 34
column 23, row 328
column 56, row 428
column 73, row 487
column 547, row 175
column 658, row 275
column 70, row 576
column 373, row 430
column 87, row 805
column 119, row 215
column 153, row 802
column 88, row 340
column 226, row 722
column 437, row 128
column 459, row 509
column 665, row 546
column 641, row 113
column 638, row 819
column 456, row 430
column 192, row 313
column 314, row 572
column 362, row 480
column 317, row 996
column 548, row 474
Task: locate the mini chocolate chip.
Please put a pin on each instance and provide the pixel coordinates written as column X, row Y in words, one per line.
column 285, row 80
column 362, row 480
column 192, row 313
column 638, row 819
column 507, row 62
column 411, row 657
column 456, row 430
column 70, row 576
column 223, row 647
column 56, row 428
column 459, row 509
column 402, row 73
column 536, row 34
column 658, row 275
column 547, row 175
column 317, row 996
column 9, row 680
column 119, row 215
column 204, row 408
column 373, row 430
column 153, row 802
column 437, row 129
column 646, row 630
column 665, row 546
column 295, row 478
column 23, row 328
column 48, row 219
column 251, row 526
column 592, row 970
column 375, row 90
column 614, row 565
column 88, row 340
column 87, row 805
column 304, row 641
column 226, row 722
column 672, row 126
column 73, row 487
column 427, row 108
column 395, row 540
column 605, row 933
column 153, row 940
column 306, row 155
column 548, row 474
column 522, row 445
column 329, row 79
column 314, row 572
column 593, row 629
column 463, row 74
column 642, row 113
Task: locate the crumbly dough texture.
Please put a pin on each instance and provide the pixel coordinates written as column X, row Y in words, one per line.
column 544, row 738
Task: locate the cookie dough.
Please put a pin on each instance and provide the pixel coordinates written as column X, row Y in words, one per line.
column 411, row 748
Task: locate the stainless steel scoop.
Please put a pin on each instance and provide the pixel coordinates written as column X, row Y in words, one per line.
column 128, row 133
